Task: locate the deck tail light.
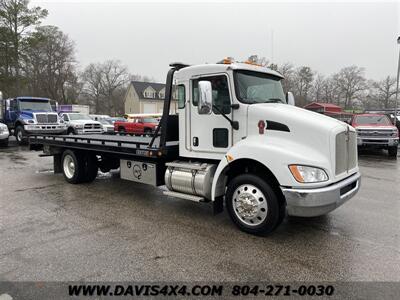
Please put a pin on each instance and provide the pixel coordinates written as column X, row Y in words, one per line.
column 307, row 174
column 261, row 126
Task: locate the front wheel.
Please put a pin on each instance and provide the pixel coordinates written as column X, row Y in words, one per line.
column 253, row 205
column 4, row 143
column 20, row 135
column 121, row 131
column 393, row 152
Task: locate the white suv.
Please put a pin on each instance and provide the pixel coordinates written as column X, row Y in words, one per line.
column 78, row 123
column 4, row 134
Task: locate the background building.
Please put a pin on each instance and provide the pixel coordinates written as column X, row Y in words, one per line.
column 147, row 97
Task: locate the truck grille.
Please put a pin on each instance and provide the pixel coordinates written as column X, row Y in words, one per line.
column 376, row 133
column 46, row 118
column 346, row 151
column 92, row 126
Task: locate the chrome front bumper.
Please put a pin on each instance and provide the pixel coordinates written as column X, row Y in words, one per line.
column 389, row 141
column 45, row 128
column 88, row 131
column 320, row 201
column 4, row 135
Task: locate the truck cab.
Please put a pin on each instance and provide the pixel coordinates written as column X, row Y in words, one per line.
column 30, row 115
column 236, row 116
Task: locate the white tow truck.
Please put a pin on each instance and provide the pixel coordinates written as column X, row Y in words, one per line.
column 237, row 139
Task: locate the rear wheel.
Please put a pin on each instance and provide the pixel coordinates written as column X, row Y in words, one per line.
column 91, row 168
column 147, row 132
column 393, row 152
column 253, row 205
column 121, row 131
column 20, row 135
column 72, row 166
column 70, row 131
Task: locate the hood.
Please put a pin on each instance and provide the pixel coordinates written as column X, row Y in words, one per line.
column 83, row 122
column 293, row 116
column 28, row 114
column 301, row 126
column 374, row 126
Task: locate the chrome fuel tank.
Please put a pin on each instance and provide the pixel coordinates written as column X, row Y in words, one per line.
column 192, row 178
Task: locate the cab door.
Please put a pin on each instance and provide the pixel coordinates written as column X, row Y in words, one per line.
column 211, row 133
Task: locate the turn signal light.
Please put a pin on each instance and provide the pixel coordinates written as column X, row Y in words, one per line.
column 296, row 174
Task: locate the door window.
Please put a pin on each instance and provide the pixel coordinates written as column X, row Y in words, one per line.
column 14, row 105
column 220, row 93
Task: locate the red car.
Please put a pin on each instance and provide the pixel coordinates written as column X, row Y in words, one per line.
column 136, row 125
column 376, row 130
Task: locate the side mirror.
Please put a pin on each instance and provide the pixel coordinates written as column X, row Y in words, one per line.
column 205, row 98
column 290, row 98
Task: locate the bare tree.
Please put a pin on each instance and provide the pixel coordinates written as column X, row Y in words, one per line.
column 303, row 78
column 317, row 88
column 330, row 91
column 92, row 86
column 384, row 91
column 351, row 83
column 104, row 85
column 287, row 70
column 115, row 76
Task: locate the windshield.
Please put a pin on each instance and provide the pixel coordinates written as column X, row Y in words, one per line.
column 73, row 117
column 35, row 105
column 150, row 120
column 378, row 120
column 105, row 122
column 255, row 87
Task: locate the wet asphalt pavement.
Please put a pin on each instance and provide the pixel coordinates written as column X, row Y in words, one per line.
column 117, row 230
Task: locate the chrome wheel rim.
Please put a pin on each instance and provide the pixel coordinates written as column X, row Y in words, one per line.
column 250, row 205
column 69, row 166
column 19, row 135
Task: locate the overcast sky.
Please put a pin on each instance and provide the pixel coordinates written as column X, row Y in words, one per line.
column 147, row 36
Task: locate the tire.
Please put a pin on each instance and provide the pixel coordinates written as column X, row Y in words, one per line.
column 71, row 131
column 121, row 131
column 20, row 135
column 148, row 132
column 4, row 143
column 72, row 164
column 257, row 211
column 91, row 168
column 393, row 152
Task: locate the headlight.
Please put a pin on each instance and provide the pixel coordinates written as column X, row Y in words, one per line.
column 306, row 174
column 31, row 121
column 78, row 126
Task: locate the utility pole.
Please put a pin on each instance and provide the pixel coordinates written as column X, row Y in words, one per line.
column 397, row 86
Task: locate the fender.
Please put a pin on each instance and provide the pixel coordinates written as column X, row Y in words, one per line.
column 276, row 154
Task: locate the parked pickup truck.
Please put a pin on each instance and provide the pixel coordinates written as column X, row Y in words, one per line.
column 78, row 123
column 140, row 125
column 236, row 139
column 30, row 115
column 376, row 130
